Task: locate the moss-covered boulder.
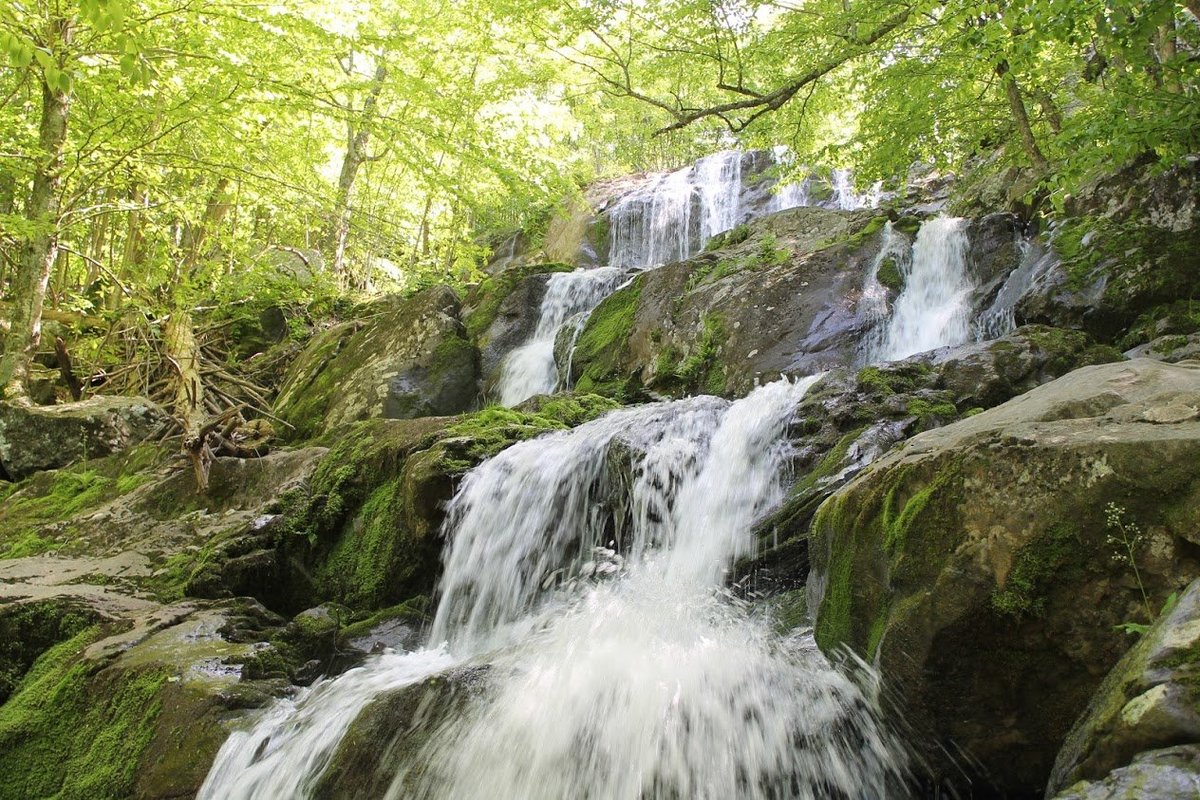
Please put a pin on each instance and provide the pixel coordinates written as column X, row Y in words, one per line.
column 1148, row 702
column 409, row 358
column 132, row 709
column 779, row 299
column 386, row 738
column 979, row 567
column 366, row 529
column 852, row 417
column 48, row 437
column 1130, row 270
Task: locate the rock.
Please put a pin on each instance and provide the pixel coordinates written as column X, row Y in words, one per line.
column 503, row 312
column 976, row 556
column 1147, row 702
column 1128, row 272
column 781, row 300
column 1172, row 349
column 49, row 437
column 1169, row 774
column 849, row 419
column 104, row 714
column 388, row 734
column 410, row 359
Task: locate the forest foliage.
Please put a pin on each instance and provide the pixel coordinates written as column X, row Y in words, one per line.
column 163, row 156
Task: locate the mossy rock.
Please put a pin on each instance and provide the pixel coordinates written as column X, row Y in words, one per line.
column 974, row 556
column 602, row 340
column 411, row 357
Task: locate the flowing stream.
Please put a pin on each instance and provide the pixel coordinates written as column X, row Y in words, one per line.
column 934, row 308
column 530, row 368
column 587, row 568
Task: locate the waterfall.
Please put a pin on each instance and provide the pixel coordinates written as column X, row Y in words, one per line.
column 934, row 308
column 674, row 215
column 587, row 568
column 1000, row 316
column 873, row 305
column 530, row 368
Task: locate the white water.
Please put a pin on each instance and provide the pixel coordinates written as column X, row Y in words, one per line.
column 674, row 215
column 934, row 308
column 618, row 673
column 290, row 745
column 530, row 369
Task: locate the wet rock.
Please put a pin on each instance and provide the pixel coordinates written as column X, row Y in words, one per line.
column 49, row 437
column 411, row 358
column 1147, row 702
column 976, row 555
column 1169, row 774
column 388, row 734
column 781, row 300
column 1128, row 272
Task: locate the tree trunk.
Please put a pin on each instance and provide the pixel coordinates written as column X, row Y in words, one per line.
column 1021, row 117
column 40, row 249
column 1166, row 50
column 188, row 404
column 195, row 237
column 357, row 136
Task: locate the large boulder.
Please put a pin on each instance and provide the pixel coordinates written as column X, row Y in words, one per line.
column 1129, row 271
column 778, row 296
column 34, row 438
column 411, row 358
column 850, row 418
column 1147, row 703
column 979, row 566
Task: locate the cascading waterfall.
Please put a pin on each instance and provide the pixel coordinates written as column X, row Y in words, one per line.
column 1000, row 317
column 621, row 672
column 674, row 215
column 934, row 308
column 896, row 249
column 530, row 368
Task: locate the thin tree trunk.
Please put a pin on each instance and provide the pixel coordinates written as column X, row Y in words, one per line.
column 357, row 137
column 1016, row 105
column 40, row 248
column 1166, row 51
column 188, row 404
column 195, row 237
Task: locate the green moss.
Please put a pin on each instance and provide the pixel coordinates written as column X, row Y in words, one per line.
column 604, row 338
column 414, row 610
column 735, row 235
column 924, row 409
column 373, row 555
column 896, row 378
column 1167, row 344
column 889, row 275
column 57, row 496
column 68, row 733
column 908, row 225
column 702, row 370
column 1034, row 571
column 871, row 228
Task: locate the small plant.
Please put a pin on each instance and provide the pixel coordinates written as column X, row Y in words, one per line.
column 1126, row 539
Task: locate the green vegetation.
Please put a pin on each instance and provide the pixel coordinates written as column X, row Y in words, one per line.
column 59, row 495
column 601, row 344
column 1036, row 567
column 70, row 733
